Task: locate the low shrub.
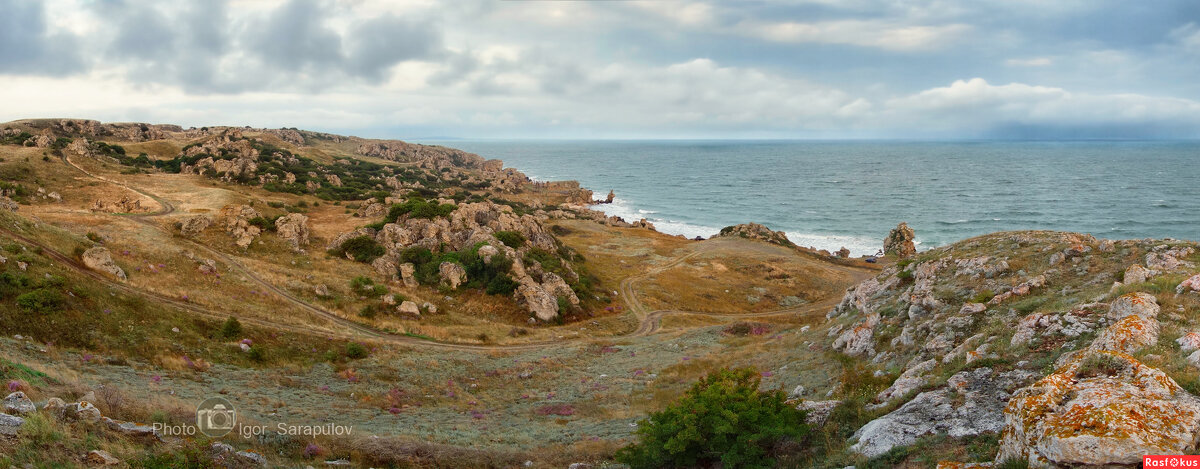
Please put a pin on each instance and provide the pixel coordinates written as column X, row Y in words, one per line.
column 42, row 300
column 722, row 420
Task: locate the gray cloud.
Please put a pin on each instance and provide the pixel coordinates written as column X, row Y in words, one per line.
column 29, row 47
column 709, row 68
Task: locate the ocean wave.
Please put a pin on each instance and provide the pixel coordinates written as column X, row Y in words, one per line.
column 858, row 245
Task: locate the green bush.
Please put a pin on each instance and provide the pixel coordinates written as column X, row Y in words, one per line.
column 501, row 284
column 41, row 300
column 355, row 350
column 511, row 239
column 416, row 255
column 417, row 207
column 724, row 419
column 232, row 328
column 361, row 249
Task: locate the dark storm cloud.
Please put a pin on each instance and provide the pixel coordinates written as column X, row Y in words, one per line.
column 28, row 46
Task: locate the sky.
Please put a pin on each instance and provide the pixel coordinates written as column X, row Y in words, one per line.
column 829, row 69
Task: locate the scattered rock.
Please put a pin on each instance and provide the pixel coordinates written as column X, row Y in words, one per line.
column 84, row 411
column 1137, row 274
column 1191, row 284
column 123, row 205
column 321, row 290
column 99, row 457
column 972, row 308
column 18, row 403
column 908, row 381
column 251, row 457
column 99, row 259
column 8, row 204
column 1189, row 341
column 9, row 424
column 409, row 307
column 237, row 224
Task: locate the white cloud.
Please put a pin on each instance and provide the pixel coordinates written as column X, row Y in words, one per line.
column 1030, row 62
column 876, row 34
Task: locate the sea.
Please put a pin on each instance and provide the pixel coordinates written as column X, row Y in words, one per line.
column 830, row 194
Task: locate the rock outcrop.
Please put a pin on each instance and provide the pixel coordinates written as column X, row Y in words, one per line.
column 99, row 259
column 237, row 224
column 125, row 204
column 971, row 403
column 293, row 228
column 8, row 204
column 452, row 274
column 195, row 225
column 756, row 231
column 900, row 241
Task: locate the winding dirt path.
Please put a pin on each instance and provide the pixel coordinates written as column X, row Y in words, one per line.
column 649, row 322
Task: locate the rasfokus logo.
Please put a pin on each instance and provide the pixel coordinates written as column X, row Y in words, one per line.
column 215, row 417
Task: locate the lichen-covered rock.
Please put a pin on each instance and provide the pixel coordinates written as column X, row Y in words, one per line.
column 1070, row 324
column 1189, row 341
column 1083, row 416
column 972, row 403
column 1137, row 274
column 1139, row 303
column 1167, row 260
column 293, row 228
column 83, row 411
column 972, row 308
column 1192, row 284
column 1128, row 335
column 99, row 259
column 817, row 411
column 899, row 241
column 555, row 285
column 372, row 210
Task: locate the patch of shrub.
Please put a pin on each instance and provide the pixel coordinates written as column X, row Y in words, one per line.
column 417, row 207
column 512, row 239
column 723, row 419
column 42, row 300
column 232, row 328
column 355, row 350
column 361, row 248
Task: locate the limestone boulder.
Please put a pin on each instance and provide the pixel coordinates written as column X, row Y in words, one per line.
column 99, row 259
column 971, row 403
column 453, row 274
column 19, row 404
column 859, row 339
column 537, row 301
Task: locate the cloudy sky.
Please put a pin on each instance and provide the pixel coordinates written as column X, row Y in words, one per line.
column 614, row 69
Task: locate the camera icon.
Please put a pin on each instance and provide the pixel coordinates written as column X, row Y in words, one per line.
column 215, row 417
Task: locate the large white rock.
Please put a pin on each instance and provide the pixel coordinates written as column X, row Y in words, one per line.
column 971, row 403
column 860, row 339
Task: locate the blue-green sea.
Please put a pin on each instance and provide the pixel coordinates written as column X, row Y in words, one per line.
column 830, row 194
